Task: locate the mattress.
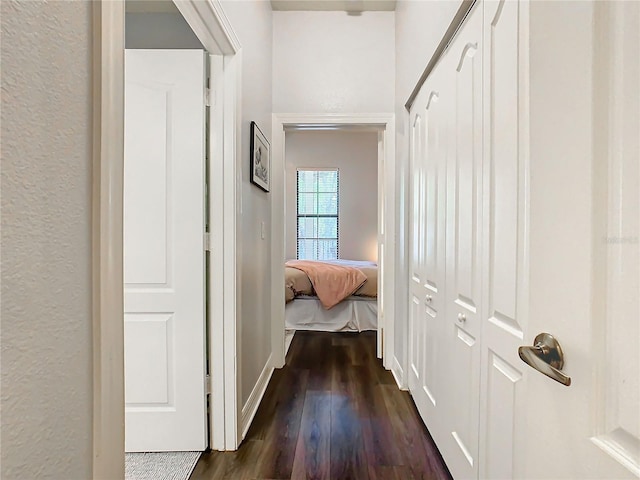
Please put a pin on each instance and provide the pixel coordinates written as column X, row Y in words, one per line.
column 355, row 314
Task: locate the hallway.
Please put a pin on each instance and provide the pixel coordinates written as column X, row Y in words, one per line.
column 332, row 412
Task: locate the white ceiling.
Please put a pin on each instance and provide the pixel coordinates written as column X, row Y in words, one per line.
column 353, row 6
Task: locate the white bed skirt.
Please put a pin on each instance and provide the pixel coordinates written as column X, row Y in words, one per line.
column 354, row 314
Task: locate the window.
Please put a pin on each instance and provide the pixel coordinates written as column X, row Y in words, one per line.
column 317, row 214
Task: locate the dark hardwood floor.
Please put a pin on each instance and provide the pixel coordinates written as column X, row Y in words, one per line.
column 332, row 412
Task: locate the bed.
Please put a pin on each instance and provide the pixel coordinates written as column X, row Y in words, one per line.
column 308, row 309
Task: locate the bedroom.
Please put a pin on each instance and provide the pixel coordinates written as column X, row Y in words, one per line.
column 331, row 214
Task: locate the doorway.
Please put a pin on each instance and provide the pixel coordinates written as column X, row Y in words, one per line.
column 384, row 127
column 166, row 231
column 214, row 33
column 331, row 215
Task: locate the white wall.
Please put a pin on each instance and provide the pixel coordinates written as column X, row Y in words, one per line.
column 46, row 397
column 333, row 62
column 251, row 21
column 159, row 30
column 420, row 25
column 355, row 154
column 419, row 28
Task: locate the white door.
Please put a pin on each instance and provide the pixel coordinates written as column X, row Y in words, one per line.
column 562, row 253
column 505, row 260
column 464, row 253
column 417, row 295
column 428, row 355
column 164, row 253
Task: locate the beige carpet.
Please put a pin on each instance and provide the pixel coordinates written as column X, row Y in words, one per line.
column 160, row 465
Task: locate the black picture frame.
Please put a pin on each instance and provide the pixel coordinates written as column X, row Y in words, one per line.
column 260, row 159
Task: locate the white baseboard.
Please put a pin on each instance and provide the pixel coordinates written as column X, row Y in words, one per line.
column 398, row 374
column 251, row 407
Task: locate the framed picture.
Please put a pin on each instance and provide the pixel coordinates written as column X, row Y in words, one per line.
column 260, row 159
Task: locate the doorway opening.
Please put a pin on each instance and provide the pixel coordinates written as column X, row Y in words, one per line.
column 295, row 126
column 331, row 215
column 209, row 26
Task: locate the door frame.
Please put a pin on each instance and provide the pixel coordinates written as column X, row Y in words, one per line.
column 384, row 124
column 210, row 24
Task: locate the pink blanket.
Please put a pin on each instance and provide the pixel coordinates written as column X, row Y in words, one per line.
column 332, row 283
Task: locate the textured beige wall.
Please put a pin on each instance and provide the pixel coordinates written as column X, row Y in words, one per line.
column 46, row 385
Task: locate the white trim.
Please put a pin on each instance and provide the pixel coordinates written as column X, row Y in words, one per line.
column 338, row 120
column 210, row 24
column 208, row 21
column 402, row 245
column 107, row 269
column 290, row 121
column 390, row 279
column 381, row 241
column 398, row 374
column 253, row 402
column 217, row 420
column 231, row 250
column 278, row 346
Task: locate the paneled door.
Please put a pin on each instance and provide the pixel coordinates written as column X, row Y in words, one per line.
column 164, row 262
column 505, row 246
column 464, row 254
column 562, row 249
column 416, row 260
column 427, row 353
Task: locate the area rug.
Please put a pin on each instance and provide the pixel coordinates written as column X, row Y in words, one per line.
column 160, row 466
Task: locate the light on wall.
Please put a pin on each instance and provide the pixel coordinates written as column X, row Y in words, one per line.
column 372, row 250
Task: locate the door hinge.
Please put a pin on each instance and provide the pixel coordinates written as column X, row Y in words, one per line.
column 207, row 384
column 208, row 98
column 207, row 242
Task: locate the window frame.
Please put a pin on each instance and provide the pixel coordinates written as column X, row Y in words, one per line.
column 318, row 215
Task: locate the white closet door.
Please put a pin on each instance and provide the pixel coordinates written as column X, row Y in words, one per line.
column 464, row 254
column 427, row 353
column 542, row 235
column 418, row 303
column 506, row 251
column 164, row 250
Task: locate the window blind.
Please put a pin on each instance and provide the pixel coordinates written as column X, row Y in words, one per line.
column 317, row 214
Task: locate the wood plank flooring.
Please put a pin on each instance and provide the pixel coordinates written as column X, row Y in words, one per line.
column 332, row 412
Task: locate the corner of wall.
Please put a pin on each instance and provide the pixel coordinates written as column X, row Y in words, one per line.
column 252, row 21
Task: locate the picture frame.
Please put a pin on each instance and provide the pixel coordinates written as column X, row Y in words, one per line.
column 260, row 159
